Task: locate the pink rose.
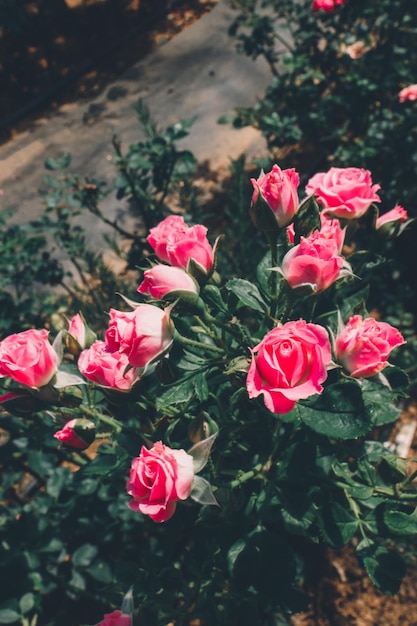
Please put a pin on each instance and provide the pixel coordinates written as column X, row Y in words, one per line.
column 363, row 347
column 179, row 245
column 164, row 280
column 344, row 192
column 408, row 93
column 28, row 358
column 278, row 188
column 289, row 365
column 144, row 334
column 77, row 329
column 325, row 5
column 79, row 336
column 117, row 618
column 356, row 50
column 159, row 477
column 108, row 369
column 313, row 265
column 77, row 433
column 397, row 215
column 330, row 230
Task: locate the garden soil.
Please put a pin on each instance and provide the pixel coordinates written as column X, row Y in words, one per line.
column 197, row 72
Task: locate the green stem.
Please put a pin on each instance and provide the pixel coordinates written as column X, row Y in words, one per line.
column 246, row 476
column 197, row 344
column 273, row 282
column 105, row 419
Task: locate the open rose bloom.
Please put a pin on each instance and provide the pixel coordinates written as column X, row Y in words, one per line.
column 325, row 5
column 408, row 93
column 107, row 369
column 28, row 358
column 344, row 192
column 181, row 245
column 363, row 346
column 159, row 477
column 289, row 364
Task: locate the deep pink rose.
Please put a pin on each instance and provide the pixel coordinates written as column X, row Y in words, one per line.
column 397, row 215
column 164, row 280
column 278, row 188
column 344, row 192
column 289, row 365
column 178, row 244
column 159, row 477
column 408, row 93
column 364, row 346
column 313, row 265
column 108, row 369
column 325, row 5
column 77, row 433
column 117, row 618
column 28, row 358
column 144, row 334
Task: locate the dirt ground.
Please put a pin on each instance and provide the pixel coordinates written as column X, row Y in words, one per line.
column 92, row 37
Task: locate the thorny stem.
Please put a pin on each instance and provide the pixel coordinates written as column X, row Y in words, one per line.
column 246, row 476
column 198, row 344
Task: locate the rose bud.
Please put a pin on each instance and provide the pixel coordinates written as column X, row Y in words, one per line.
column 274, row 196
column 77, row 433
column 363, row 346
column 144, row 334
column 28, row 358
column 159, row 477
column 79, row 335
column 344, row 192
column 389, row 223
column 289, row 364
column 117, row 618
column 325, row 5
column 107, row 369
column 408, row 93
column 165, row 281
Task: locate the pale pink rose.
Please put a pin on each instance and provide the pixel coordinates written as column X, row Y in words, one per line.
column 364, row 346
column 77, row 433
column 144, row 334
column 397, row 215
column 278, row 188
column 178, row 244
column 28, row 358
column 159, row 477
column 313, row 265
column 107, row 369
column 408, row 93
column 289, row 364
column 344, row 192
column 77, row 329
column 117, row 618
column 330, row 230
column 164, row 280
column 325, row 5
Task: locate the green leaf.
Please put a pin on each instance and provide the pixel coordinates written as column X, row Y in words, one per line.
column 9, row 616
column 337, row 523
column 201, row 387
column 57, row 481
column 26, row 602
column 101, row 571
column 84, row 555
column 379, row 403
column 339, row 412
column 386, row 569
column 247, row 293
column 176, row 394
column 60, row 162
column 400, row 521
column 307, row 219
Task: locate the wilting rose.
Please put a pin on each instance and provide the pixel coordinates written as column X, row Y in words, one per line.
column 313, row 265
column 397, row 215
column 28, row 358
column 325, row 5
column 344, row 192
column 108, row 369
column 364, row 346
column 159, row 477
column 181, row 245
column 289, row 364
column 117, row 618
column 163, row 281
column 77, row 433
column 408, row 93
column 144, row 334
column 278, row 189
